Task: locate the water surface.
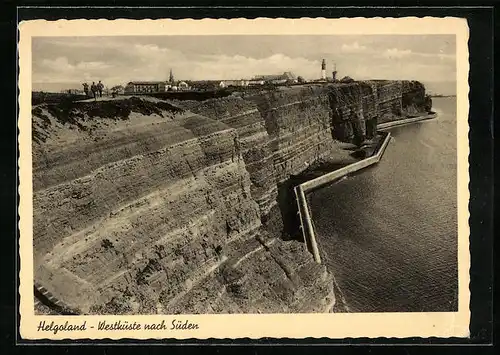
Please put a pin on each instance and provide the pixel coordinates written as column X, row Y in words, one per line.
column 389, row 233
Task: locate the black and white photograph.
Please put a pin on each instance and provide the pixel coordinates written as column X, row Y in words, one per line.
column 243, row 174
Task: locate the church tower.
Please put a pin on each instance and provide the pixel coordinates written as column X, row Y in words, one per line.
column 171, row 77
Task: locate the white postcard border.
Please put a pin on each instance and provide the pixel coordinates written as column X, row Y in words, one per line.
column 332, row 325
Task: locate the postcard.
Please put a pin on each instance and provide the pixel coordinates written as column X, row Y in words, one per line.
column 237, row 178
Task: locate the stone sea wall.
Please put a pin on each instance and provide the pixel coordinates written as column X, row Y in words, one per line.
column 147, row 206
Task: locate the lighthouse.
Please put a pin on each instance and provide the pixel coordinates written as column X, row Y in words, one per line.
column 323, row 70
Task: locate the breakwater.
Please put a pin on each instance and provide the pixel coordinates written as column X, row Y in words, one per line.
column 143, row 205
column 405, row 121
column 301, row 189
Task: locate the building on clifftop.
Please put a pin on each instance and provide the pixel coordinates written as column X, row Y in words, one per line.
column 139, row 87
column 286, row 77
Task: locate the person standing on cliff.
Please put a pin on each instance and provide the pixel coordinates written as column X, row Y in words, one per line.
column 93, row 88
column 86, row 89
column 100, row 87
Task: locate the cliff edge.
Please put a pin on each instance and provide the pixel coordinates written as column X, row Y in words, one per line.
column 143, row 205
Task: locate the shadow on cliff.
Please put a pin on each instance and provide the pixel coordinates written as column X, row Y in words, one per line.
column 288, row 219
column 289, row 211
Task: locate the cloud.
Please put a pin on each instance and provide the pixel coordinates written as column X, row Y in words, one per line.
column 57, row 64
column 62, row 64
column 118, row 60
column 60, row 69
column 396, row 53
column 152, row 62
column 150, row 50
column 238, row 66
column 353, row 48
column 92, row 66
column 417, row 57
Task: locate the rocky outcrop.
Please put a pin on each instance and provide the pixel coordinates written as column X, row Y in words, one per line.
column 147, row 206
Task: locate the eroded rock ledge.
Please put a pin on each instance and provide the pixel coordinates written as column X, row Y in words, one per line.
column 147, row 206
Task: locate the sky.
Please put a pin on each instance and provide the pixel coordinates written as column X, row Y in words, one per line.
column 118, row 60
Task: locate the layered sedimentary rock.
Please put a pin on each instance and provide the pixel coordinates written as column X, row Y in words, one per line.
column 359, row 106
column 280, row 133
column 147, row 206
column 134, row 213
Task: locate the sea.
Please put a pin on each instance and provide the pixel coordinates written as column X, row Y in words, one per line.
column 389, row 232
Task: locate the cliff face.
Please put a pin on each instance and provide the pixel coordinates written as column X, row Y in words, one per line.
column 145, row 206
column 359, row 106
column 154, row 214
column 280, row 134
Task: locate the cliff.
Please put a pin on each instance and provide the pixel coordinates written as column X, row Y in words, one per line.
column 358, row 107
column 147, row 206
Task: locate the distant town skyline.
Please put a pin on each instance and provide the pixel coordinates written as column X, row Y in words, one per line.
column 118, row 60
